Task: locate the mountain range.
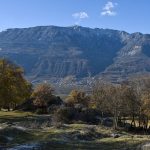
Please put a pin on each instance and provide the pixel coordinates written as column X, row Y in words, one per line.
column 54, row 53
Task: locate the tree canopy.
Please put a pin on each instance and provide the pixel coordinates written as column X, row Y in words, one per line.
column 14, row 88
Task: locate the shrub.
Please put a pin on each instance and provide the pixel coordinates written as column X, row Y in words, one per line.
column 65, row 114
column 52, row 109
column 41, row 111
column 88, row 115
column 54, row 100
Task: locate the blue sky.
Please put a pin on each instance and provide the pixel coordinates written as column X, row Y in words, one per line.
column 128, row 15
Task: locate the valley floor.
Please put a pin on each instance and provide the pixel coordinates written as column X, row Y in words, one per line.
column 26, row 131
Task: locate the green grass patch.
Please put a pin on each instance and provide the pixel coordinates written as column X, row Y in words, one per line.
column 60, row 137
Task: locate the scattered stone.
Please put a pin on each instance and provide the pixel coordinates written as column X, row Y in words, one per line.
column 32, row 146
column 3, row 140
column 2, row 147
column 11, row 133
column 145, row 146
column 84, row 135
column 19, row 128
column 114, row 135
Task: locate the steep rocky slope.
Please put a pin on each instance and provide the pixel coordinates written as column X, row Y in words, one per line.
column 49, row 52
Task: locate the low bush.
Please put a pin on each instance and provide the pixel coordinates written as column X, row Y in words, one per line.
column 41, row 111
column 69, row 114
column 65, row 114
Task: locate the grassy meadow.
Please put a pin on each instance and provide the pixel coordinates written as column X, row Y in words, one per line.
column 26, row 128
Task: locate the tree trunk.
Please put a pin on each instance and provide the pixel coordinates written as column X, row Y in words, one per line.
column 8, row 108
column 139, row 121
column 133, row 121
column 146, row 122
column 102, row 118
column 115, row 120
column 124, row 121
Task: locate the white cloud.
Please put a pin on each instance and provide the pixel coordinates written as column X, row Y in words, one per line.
column 108, row 13
column 108, row 9
column 79, row 16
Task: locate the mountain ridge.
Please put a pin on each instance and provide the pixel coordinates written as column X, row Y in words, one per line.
column 58, row 52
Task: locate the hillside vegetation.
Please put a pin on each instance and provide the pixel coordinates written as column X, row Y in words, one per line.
column 110, row 116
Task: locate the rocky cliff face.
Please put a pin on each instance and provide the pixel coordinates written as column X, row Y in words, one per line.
column 57, row 52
